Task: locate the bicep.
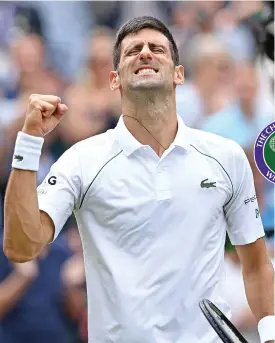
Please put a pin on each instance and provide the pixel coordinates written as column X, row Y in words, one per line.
column 254, row 254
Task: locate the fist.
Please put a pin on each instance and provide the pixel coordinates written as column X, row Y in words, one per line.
column 43, row 114
column 27, row 270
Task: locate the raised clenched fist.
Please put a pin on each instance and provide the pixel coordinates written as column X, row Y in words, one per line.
column 43, row 114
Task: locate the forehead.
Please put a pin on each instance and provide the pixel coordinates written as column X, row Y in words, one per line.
column 145, row 36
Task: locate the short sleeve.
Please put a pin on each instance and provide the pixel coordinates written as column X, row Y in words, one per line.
column 242, row 212
column 59, row 193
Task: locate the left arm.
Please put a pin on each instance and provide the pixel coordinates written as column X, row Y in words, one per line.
column 258, row 275
column 246, row 232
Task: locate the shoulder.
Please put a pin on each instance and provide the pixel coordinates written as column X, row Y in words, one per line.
column 94, row 145
column 89, row 150
column 224, row 150
column 97, row 141
column 86, row 158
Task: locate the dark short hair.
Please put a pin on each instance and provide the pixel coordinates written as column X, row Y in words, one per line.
column 137, row 24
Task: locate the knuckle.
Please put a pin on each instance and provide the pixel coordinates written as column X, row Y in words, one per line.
column 33, row 96
column 56, row 100
column 34, row 99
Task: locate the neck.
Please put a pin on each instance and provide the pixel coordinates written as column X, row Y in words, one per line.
column 152, row 120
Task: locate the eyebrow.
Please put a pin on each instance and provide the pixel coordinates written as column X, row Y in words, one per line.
column 140, row 44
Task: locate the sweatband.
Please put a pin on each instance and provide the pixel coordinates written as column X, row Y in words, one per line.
column 266, row 328
column 27, row 152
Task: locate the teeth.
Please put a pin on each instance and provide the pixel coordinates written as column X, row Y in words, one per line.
column 146, row 71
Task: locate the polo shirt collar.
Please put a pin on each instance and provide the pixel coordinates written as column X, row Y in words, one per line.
column 130, row 144
column 182, row 137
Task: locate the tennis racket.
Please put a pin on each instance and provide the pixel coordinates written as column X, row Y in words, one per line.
column 220, row 323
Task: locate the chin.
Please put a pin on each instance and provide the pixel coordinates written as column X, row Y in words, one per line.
column 146, row 85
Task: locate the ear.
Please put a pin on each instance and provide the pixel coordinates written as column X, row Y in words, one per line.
column 114, row 80
column 179, row 75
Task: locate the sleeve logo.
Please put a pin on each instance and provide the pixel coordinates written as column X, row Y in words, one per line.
column 52, row 180
column 19, row 158
column 252, row 199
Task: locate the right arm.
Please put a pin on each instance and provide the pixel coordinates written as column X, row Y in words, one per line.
column 27, row 230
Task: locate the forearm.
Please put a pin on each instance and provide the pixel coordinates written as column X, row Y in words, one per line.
column 259, row 286
column 24, row 236
column 11, row 291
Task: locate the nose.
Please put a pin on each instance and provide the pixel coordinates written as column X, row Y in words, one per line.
column 145, row 53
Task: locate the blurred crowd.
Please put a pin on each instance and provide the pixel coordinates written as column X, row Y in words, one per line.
column 65, row 48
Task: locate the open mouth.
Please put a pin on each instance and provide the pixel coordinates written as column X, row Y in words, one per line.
column 146, row 71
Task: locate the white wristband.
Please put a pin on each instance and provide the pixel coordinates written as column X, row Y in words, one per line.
column 266, row 328
column 27, row 152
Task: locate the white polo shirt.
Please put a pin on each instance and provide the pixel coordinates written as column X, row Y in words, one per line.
column 153, row 229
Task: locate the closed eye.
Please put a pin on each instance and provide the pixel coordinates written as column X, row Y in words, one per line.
column 157, row 50
column 133, row 52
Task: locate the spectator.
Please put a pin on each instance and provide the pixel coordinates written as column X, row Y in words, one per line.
column 38, row 300
column 107, row 13
column 158, row 9
column 245, row 117
column 73, row 276
column 26, row 66
column 184, row 27
column 30, row 66
column 66, row 24
column 210, row 88
column 93, row 108
column 18, row 17
column 206, row 14
column 234, row 34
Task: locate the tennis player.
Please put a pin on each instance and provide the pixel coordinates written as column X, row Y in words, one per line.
column 153, row 200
